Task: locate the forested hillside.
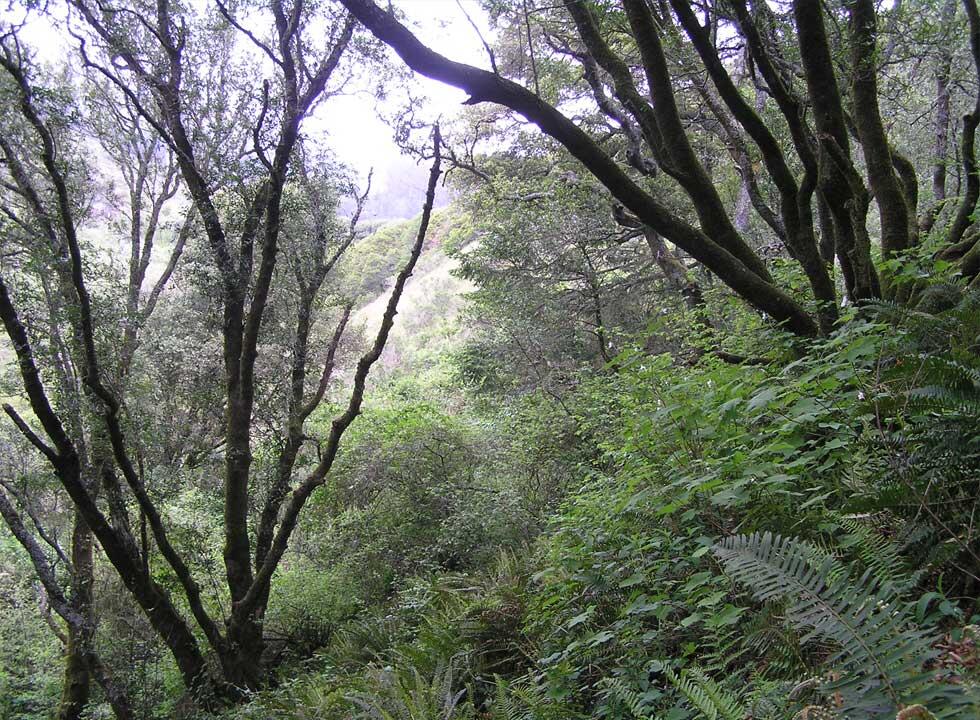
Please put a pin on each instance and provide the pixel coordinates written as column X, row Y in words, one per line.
column 661, row 401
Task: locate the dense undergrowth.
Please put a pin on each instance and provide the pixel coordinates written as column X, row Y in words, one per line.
column 670, row 535
column 792, row 539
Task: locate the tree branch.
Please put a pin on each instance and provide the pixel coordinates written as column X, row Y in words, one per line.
column 340, row 424
column 484, row 86
column 28, row 433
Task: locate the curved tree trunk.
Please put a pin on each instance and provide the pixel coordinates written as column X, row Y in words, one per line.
column 838, row 180
column 961, row 244
column 484, row 86
column 794, row 198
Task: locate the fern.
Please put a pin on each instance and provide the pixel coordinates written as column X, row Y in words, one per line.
column 516, row 702
column 880, row 651
column 505, row 705
column 930, row 329
column 946, row 385
column 627, row 696
column 403, row 693
column 730, row 649
column 762, row 643
column 705, row 695
column 362, row 641
column 931, row 429
column 881, row 556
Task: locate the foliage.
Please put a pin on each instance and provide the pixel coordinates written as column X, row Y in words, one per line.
column 30, row 675
column 587, row 479
column 879, row 652
column 404, row 694
column 623, row 610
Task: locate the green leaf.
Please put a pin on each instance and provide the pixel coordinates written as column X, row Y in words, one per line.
column 761, row 399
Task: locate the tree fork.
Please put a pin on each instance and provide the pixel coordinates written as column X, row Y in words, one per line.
column 794, row 199
column 248, row 605
column 838, row 179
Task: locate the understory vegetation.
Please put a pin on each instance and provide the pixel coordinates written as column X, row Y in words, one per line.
column 665, row 405
column 671, row 541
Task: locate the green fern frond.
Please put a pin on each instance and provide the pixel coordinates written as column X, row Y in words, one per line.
column 944, row 399
column 728, row 649
column 944, row 384
column 505, row 706
column 947, row 371
column 928, row 324
column 628, row 697
column 705, row 695
column 522, row 700
column 776, row 648
column 881, row 652
column 404, row 693
column 877, row 553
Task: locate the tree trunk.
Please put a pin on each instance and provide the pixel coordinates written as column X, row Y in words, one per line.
column 675, row 272
column 794, row 199
column 76, row 689
column 960, row 244
column 940, row 126
column 892, row 207
column 842, row 189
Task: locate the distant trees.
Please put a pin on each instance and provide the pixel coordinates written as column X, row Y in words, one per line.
column 183, row 113
column 796, row 95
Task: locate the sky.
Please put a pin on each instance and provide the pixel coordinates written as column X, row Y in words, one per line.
column 355, row 130
column 351, row 124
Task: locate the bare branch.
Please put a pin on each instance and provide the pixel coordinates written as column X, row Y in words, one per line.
column 229, row 18
column 328, row 364
column 301, row 494
column 36, row 522
column 486, row 46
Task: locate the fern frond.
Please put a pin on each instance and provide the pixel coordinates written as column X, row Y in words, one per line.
column 878, row 554
column 945, row 385
column 404, row 693
column 627, row 696
column 522, row 700
column 504, row 705
column 881, row 653
column 776, row 649
column 705, row 695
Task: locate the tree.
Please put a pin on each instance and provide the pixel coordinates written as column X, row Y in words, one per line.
column 563, row 282
column 644, row 103
column 238, row 155
column 961, row 246
column 150, row 178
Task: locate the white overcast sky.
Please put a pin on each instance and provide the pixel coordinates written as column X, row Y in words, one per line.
column 357, row 134
column 351, row 123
